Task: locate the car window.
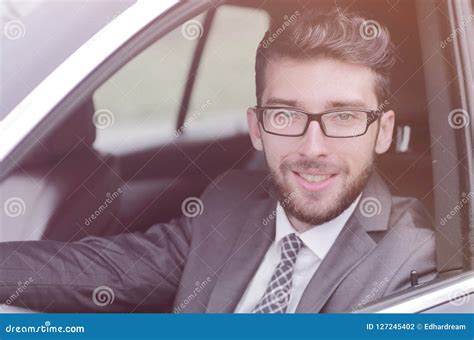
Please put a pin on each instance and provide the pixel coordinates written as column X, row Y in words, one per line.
column 225, row 84
column 138, row 106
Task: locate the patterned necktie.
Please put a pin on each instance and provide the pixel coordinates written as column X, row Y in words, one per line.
column 277, row 295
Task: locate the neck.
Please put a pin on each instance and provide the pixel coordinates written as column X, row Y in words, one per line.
column 299, row 226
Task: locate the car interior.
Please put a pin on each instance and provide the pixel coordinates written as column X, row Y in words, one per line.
column 406, row 167
column 70, row 178
column 70, row 165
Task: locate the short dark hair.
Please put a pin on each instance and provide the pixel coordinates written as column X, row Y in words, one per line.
column 333, row 33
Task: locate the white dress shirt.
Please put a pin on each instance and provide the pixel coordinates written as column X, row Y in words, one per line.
column 318, row 240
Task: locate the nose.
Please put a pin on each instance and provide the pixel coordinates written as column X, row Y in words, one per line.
column 314, row 143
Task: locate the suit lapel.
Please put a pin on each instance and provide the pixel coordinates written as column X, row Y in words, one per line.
column 246, row 255
column 349, row 249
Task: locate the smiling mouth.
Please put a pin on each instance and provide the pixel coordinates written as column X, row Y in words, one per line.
column 314, row 178
column 314, row 181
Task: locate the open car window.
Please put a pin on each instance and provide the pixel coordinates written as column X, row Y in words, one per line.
column 138, row 106
column 220, row 98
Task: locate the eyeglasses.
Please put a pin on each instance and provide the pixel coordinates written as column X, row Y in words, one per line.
column 337, row 123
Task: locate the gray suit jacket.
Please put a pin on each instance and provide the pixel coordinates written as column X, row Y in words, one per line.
column 204, row 263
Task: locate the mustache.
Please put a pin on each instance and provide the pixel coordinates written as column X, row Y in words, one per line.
column 304, row 164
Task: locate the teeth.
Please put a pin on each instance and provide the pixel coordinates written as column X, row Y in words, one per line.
column 315, row 178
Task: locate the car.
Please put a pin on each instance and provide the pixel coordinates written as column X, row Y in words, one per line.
column 115, row 113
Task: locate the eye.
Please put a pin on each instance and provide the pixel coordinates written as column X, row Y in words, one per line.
column 344, row 116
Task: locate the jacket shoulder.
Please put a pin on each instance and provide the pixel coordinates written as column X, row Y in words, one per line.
column 238, row 184
column 410, row 213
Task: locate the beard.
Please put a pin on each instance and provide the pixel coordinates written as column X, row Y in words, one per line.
column 315, row 208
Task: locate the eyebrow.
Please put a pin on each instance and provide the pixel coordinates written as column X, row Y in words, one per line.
column 333, row 104
column 283, row 102
column 346, row 103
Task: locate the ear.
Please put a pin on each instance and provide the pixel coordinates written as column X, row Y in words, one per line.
column 385, row 134
column 254, row 129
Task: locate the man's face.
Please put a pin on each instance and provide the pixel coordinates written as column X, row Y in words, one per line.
column 323, row 175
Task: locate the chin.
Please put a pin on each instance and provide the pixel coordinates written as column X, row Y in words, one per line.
column 315, row 213
column 317, row 204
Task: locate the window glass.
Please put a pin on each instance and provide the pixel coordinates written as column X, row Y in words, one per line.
column 225, row 84
column 138, row 106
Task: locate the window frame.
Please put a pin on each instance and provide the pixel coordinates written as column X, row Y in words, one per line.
column 455, row 142
column 425, row 297
column 197, row 58
column 165, row 22
column 457, row 279
column 194, row 68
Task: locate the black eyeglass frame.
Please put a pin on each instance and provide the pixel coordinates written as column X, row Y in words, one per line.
column 372, row 116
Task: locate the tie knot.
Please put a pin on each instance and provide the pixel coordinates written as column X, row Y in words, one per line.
column 291, row 244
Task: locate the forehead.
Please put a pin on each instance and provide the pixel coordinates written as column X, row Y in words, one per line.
column 318, row 83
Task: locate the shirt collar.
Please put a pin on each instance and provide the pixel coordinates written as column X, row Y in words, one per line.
column 318, row 239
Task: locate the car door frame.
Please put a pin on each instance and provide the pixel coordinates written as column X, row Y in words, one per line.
column 449, row 141
column 458, row 290
column 42, row 113
column 456, row 282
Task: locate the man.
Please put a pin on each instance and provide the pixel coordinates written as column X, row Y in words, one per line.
column 318, row 232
